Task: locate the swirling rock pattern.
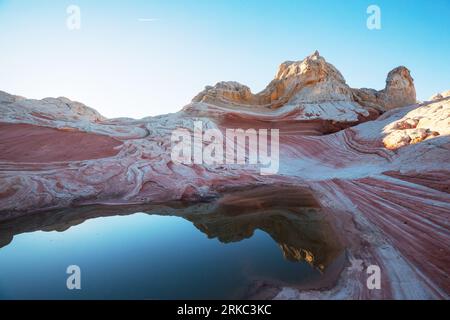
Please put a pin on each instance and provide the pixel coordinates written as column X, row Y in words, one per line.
column 377, row 162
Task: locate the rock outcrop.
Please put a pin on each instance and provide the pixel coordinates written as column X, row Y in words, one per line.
column 439, row 96
column 312, row 89
column 377, row 162
column 424, row 122
column 399, row 92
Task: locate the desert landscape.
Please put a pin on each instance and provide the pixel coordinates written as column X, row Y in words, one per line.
column 376, row 164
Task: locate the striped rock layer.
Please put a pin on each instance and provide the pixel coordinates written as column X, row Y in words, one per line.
column 377, row 163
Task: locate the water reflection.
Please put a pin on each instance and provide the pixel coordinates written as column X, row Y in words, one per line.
column 290, row 216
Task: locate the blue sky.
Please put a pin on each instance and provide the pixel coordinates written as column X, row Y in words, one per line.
column 126, row 67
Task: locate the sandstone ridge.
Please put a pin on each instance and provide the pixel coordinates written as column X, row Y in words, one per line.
column 316, row 89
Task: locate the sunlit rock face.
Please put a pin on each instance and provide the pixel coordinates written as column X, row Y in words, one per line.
column 439, row 96
column 311, row 89
column 377, row 163
column 47, row 109
column 424, row 122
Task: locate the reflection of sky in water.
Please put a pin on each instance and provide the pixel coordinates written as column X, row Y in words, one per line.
column 140, row 256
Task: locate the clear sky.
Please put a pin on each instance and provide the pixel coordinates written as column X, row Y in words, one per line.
column 141, row 58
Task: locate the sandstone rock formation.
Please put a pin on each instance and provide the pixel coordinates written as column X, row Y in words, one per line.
column 377, row 163
column 439, row 96
column 399, row 92
column 312, row 89
column 424, row 122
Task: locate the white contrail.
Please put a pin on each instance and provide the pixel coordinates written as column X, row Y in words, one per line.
column 147, row 19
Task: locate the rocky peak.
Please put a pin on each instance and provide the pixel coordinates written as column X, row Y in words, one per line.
column 291, row 78
column 314, row 89
column 399, row 90
column 313, row 68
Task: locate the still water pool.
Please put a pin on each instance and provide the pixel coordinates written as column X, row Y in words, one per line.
column 149, row 256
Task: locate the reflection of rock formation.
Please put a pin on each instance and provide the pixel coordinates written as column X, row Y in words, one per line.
column 302, row 233
column 295, row 223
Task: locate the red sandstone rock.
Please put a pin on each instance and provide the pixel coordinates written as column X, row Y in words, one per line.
column 383, row 182
column 34, row 144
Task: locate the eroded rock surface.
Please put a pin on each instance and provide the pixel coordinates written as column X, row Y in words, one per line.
column 382, row 179
column 312, row 89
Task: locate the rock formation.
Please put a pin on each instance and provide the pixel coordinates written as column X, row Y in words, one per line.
column 439, row 96
column 314, row 89
column 377, row 162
